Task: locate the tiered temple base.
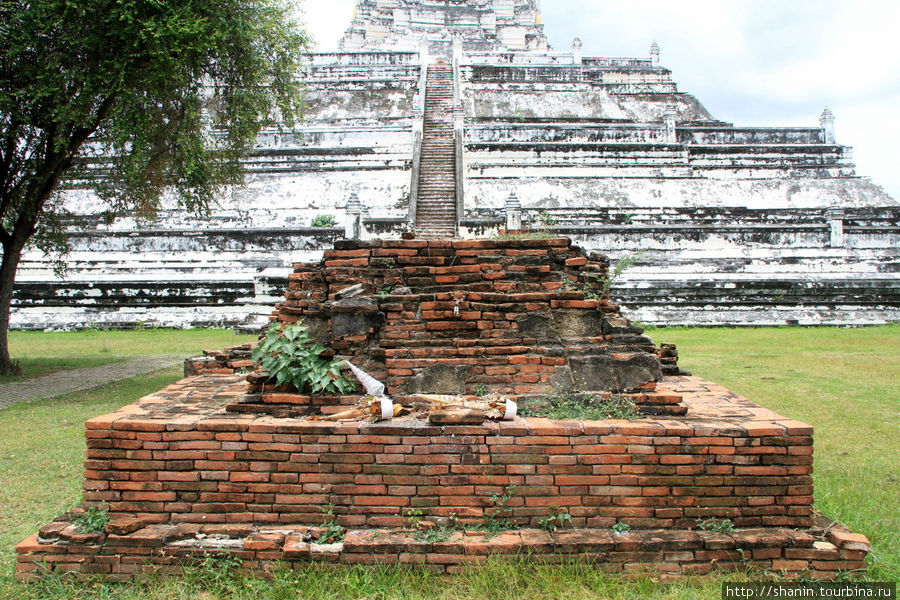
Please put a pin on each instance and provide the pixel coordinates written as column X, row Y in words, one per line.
column 184, row 477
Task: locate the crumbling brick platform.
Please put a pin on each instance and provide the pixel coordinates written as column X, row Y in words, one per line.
column 231, row 462
column 184, row 477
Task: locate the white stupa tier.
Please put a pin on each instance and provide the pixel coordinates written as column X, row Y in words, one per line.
column 431, row 117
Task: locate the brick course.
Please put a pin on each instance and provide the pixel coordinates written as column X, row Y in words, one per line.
column 662, row 553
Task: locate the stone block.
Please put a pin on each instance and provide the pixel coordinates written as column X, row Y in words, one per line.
column 614, row 372
column 440, row 378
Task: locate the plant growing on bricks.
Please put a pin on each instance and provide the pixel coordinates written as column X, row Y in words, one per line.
column 290, row 356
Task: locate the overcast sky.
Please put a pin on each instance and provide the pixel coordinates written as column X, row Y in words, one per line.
column 750, row 62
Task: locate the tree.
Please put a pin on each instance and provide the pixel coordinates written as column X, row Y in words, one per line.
column 140, row 98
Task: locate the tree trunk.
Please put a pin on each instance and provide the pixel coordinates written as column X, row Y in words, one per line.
column 12, row 253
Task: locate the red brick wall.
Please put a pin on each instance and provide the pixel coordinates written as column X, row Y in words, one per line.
column 648, row 474
column 465, row 304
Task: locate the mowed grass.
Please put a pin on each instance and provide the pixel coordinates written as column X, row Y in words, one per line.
column 41, row 353
column 839, row 380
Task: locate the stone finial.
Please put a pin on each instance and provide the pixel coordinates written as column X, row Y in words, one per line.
column 827, row 123
column 654, row 53
column 354, row 206
column 576, row 51
column 353, row 223
column 513, row 212
column 671, row 112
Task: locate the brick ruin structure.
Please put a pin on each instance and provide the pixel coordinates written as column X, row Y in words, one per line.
column 220, row 463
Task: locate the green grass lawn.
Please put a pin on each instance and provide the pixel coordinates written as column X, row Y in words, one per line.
column 839, row 380
column 42, row 353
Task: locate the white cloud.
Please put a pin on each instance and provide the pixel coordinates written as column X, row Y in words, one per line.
column 326, row 20
column 751, row 62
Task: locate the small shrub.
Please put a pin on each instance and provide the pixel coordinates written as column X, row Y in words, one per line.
column 569, row 404
column 716, row 525
column 595, row 286
column 620, row 527
column 558, row 519
column 292, row 357
column 323, row 221
column 480, row 390
column 93, row 520
column 623, row 265
column 547, row 222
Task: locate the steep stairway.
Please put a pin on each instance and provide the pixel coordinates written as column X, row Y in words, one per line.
column 436, row 202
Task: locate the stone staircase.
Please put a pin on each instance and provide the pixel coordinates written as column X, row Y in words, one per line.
column 436, row 203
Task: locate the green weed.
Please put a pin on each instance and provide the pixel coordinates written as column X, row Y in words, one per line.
column 568, row 404
column 323, row 221
column 93, row 520
column 620, row 527
column 333, row 533
column 557, row 519
column 717, row 525
column 497, row 520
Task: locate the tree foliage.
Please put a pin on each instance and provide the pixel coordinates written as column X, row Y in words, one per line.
column 135, row 98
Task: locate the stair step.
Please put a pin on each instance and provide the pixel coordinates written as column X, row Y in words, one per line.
column 436, row 202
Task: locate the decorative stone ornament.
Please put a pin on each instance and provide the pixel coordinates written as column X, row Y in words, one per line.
column 576, row 51
column 353, row 227
column 513, row 213
column 827, row 123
